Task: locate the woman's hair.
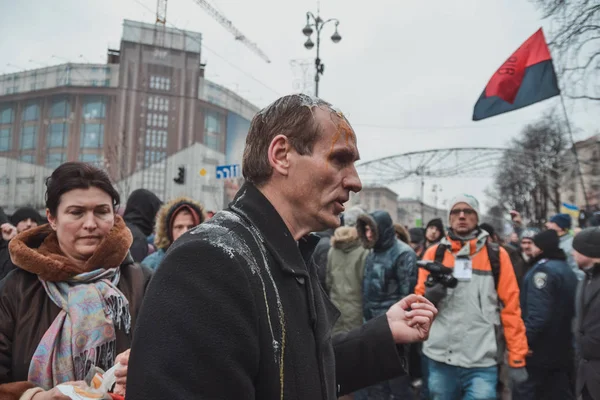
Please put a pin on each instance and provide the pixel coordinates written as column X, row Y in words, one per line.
column 77, row 175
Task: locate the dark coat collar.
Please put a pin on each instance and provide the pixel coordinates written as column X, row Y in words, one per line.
column 254, row 207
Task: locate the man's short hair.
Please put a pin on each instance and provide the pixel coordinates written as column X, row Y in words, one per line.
column 291, row 116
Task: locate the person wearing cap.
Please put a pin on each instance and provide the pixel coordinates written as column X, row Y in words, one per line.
column 417, row 241
column 173, row 220
column 561, row 223
column 527, row 244
column 548, row 307
column 434, row 232
column 586, row 252
column 463, row 351
column 23, row 219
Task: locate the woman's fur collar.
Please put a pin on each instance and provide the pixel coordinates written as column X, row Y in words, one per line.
column 37, row 251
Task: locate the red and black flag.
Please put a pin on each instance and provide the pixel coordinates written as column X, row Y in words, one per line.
column 527, row 77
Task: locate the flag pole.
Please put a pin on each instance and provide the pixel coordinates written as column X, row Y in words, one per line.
column 577, row 164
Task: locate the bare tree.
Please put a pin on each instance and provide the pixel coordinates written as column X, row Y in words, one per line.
column 575, row 44
column 115, row 162
column 529, row 176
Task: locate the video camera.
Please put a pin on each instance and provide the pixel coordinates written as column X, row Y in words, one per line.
column 438, row 273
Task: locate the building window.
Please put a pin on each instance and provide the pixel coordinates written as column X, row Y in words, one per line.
column 28, row 137
column 4, row 181
column 29, row 180
column 53, row 160
column 6, row 115
column 212, row 123
column 91, row 158
column 156, row 138
column 5, row 139
column 57, row 135
column 92, row 136
column 59, row 109
column 28, row 158
column 94, row 107
column 153, row 157
column 31, row 112
column 213, row 142
column 160, row 83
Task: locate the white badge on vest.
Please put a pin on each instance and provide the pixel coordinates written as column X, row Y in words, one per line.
column 463, row 269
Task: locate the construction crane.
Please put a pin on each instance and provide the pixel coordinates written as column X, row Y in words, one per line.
column 161, row 19
column 227, row 24
column 161, row 12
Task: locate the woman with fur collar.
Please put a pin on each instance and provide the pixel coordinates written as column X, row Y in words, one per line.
column 173, row 220
column 72, row 303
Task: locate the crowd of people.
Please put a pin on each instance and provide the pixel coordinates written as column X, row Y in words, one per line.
column 288, row 295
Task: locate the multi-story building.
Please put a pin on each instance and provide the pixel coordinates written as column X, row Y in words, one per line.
column 414, row 213
column 588, row 152
column 376, row 198
column 148, row 103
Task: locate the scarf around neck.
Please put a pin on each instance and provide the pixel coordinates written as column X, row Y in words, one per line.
column 91, row 306
column 465, row 246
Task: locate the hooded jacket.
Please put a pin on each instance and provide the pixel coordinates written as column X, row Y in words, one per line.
column 470, row 313
column 345, row 269
column 390, row 269
column 164, row 220
column 140, row 214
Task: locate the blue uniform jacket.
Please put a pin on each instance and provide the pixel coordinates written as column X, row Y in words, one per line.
column 548, row 307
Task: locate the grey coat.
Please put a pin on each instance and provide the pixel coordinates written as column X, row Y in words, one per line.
column 587, row 332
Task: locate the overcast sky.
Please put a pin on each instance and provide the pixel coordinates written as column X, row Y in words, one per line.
column 406, row 74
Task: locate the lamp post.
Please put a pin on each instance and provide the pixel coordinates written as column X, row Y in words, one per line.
column 317, row 23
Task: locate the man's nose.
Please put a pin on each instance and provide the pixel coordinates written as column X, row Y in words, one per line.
column 352, row 181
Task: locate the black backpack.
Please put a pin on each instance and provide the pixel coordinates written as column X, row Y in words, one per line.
column 493, row 254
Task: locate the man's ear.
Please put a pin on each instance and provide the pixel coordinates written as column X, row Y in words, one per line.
column 279, row 151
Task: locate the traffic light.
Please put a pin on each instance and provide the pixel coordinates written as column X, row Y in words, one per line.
column 180, row 176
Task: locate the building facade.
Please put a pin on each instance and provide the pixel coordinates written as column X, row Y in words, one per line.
column 376, row 198
column 588, row 152
column 149, row 103
column 414, row 213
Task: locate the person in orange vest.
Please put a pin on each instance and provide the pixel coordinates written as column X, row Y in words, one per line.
column 464, row 350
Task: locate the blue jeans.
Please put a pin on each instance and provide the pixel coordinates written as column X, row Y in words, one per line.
column 447, row 382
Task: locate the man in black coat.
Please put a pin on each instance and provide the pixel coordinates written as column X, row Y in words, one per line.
column 586, row 252
column 238, row 313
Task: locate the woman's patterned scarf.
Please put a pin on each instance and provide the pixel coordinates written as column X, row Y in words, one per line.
column 83, row 333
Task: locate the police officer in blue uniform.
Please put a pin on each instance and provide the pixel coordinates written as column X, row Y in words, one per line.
column 548, row 309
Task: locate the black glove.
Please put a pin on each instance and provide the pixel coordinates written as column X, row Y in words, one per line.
column 435, row 293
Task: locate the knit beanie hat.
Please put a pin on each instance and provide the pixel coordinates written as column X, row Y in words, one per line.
column 24, row 213
column 562, row 220
column 437, row 222
column 416, row 235
column 464, row 198
column 547, row 241
column 587, row 242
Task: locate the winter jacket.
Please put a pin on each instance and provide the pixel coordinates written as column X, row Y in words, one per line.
column 140, row 214
column 26, row 313
column 345, row 268
column 154, row 259
column 245, row 318
column 320, row 256
column 162, row 236
column 587, row 332
column 470, row 313
column 390, row 269
column 5, row 264
column 548, row 306
column 520, row 266
column 566, row 245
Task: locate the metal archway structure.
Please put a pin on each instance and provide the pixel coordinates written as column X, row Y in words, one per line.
column 436, row 163
column 458, row 162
